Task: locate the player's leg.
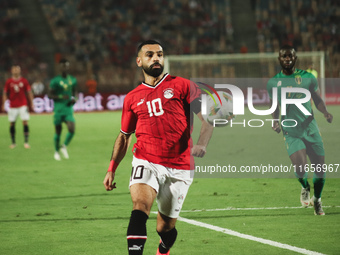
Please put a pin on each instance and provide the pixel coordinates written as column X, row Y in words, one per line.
column 12, row 134
column 57, row 134
column 24, row 115
column 296, row 149
column 167, row 231
column 316, row 152
column 299, row 160
column 12, row 117
column 26, row 134
column 170, row 199
column 143, row 189
column 142, row 196
column 71, row 129
column 70, row 122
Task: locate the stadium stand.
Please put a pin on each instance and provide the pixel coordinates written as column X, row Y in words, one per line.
column 309, row 25
column 104, row 34
column 100, row 37
column 16, row 44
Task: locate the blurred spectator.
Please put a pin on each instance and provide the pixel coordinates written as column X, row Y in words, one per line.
column 38, row 88
column 312, row 70
column 244, row 48
column 106, row 33
column 91, row 85
column 308, row 25
column 16, row 45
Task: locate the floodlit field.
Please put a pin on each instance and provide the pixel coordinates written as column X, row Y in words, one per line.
column 49, row 207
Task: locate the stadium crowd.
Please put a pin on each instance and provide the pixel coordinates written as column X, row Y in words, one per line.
column 100, row 36
column 308, row 25
column 16, row 44
column 105, row 33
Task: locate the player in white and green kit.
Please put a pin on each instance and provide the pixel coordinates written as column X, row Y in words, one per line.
column 63, row 91
column 303, row 137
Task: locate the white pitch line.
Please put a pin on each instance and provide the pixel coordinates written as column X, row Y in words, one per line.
column 249, row 209
column 249, row 237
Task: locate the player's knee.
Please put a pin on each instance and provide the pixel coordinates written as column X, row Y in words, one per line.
column 141, row 205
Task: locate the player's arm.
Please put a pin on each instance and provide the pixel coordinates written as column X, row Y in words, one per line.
column 120, row 148
column 30, row 99
column 128, row 126
column 320, row 104
column 276, row 116
column 4, row 98
column 199, row 149
column 74, row 95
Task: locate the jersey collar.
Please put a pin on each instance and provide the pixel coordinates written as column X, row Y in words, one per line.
column 296, row 71
column 161, row 80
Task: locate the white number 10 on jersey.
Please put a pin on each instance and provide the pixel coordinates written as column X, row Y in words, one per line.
column 152, row 107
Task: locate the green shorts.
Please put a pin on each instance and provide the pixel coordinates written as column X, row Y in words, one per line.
column 60, row 118
column 312, row 143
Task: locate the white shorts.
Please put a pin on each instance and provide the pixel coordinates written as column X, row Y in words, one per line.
column 171, row 184
column 13, row 113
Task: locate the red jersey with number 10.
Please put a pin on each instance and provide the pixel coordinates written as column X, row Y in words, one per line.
column 17, row 89
column 161, row 117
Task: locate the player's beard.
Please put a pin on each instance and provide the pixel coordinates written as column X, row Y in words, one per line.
column 154, row 72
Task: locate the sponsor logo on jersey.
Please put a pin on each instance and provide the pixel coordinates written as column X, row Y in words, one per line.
column 168, row 93
column 279, row 83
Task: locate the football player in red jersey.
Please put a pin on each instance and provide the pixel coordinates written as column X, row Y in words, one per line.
column 17, row 90
column 160, row 112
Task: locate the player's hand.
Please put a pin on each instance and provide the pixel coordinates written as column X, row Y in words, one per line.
column 72, row 101
column 276, row 127
column 108, row 181
column 329, row 117
column 198, row 151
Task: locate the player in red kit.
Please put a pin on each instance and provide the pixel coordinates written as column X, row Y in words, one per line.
column 160, row 112
column 17, row 90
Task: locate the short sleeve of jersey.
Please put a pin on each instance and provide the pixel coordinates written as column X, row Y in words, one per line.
column 27, row 85
column 314, row 83
column 194, row 92
column 129, row 120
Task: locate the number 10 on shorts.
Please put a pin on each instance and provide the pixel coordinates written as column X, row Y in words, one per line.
column 137, row 173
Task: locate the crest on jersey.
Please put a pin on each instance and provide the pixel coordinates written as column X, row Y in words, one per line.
column 298, row 79
column 168, row 93
column 279, row 83
column 180, row 199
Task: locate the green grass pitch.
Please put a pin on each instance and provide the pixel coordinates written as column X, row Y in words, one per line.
column 49, row 207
